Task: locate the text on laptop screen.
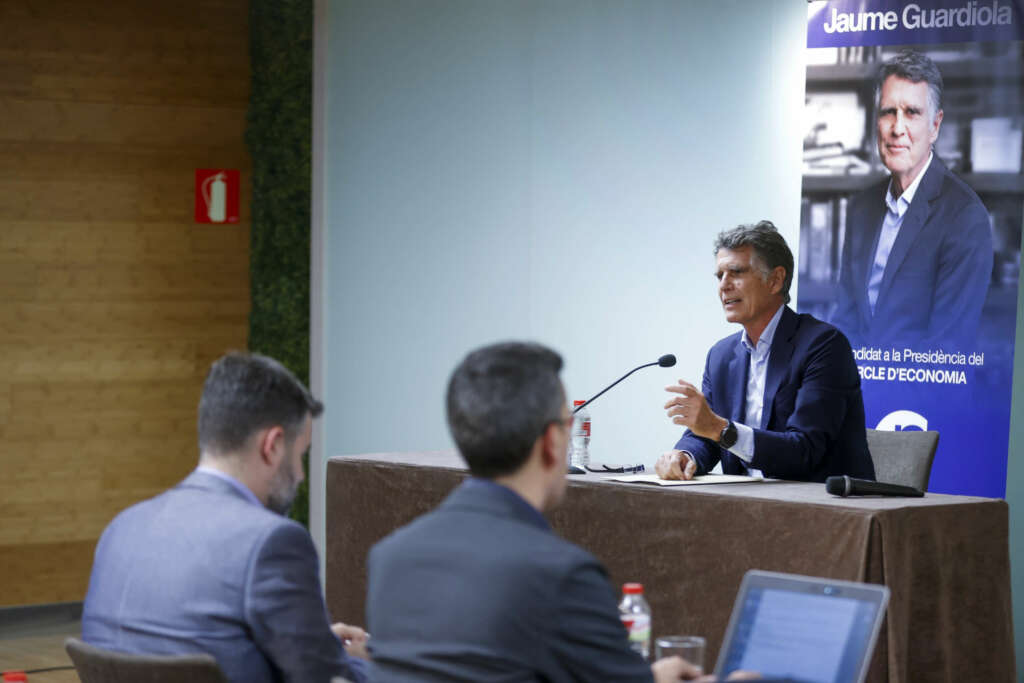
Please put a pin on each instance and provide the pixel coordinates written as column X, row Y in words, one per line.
column 801, row 636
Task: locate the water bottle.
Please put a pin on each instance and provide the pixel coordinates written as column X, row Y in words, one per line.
column 580, row 454
column 636, row 617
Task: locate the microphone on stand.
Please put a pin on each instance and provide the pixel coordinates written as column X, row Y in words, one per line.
column 666, row 361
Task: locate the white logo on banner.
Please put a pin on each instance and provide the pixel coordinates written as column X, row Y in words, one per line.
column 902, row 421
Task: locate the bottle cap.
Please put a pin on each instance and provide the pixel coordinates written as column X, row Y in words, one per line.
column 633, row 588
column 577, row 403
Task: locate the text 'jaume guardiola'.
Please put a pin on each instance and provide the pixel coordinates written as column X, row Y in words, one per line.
column 914, row 17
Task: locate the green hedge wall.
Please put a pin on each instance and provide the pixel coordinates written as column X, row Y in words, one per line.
column 278, row 134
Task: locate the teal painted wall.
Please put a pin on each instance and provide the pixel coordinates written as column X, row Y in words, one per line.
column 553, row 171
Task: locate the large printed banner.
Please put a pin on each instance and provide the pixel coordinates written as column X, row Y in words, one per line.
column 912, row 207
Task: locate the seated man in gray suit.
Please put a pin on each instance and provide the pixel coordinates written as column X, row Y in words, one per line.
column 481, row 589
column 212, row 565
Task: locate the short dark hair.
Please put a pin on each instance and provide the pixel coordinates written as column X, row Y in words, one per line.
column 770, row 249
column 247, row 392
column 500, row 400
column 915, row 67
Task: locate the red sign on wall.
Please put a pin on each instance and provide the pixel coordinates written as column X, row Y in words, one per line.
column 217, row 195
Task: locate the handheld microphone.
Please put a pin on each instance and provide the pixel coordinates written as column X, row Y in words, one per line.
column 848, row 486
column 666, row 361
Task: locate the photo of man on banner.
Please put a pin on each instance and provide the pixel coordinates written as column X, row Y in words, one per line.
column 917, row 259
column 911, row 215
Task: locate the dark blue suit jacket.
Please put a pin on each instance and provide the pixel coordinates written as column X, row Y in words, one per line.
column 938, row 272
column 200, row 568
column 812, row 423
column 481, row 589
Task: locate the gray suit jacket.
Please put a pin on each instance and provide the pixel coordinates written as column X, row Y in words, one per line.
column 200, row 568
column 481, row 589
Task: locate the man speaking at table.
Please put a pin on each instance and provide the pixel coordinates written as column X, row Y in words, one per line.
column 782, row 397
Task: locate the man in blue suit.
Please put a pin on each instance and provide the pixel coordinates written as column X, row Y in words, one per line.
column 917, row 257
column 481, row 589
column 212, row 565
column 780, row 399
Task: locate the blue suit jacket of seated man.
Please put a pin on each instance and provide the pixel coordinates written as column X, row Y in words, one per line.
column 812, row 423
column 200, row 568
column 481, row 589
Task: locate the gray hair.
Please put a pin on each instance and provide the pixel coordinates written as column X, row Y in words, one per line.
column 917, row 68
column 246, row 392
column 500, row 399
column 770, row 249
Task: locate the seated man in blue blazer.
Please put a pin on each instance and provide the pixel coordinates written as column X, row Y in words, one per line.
column 782, row 397
column 481, row 589
column 212, row 565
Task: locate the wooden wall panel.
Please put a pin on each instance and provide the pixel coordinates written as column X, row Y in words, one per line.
column 112, row 301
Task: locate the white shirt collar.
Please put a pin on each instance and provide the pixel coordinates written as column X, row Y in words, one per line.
column 765, row 340
column 898, row 205
column 235, row 484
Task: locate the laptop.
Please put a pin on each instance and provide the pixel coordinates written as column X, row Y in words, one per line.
column 802, row 628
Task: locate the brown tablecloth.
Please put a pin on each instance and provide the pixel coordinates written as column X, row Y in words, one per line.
column 945, row 558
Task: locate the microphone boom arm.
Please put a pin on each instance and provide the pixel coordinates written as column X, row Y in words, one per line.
column 598, row 394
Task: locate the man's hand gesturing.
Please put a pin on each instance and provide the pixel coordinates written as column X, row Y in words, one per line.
column 689, row 408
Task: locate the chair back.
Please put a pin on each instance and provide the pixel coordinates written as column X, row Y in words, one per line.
column 95, row 665
column 903, row 457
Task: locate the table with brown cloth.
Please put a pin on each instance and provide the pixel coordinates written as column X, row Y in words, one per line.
column 945, row 558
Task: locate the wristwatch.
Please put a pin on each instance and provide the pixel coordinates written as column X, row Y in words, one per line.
column 727, row 439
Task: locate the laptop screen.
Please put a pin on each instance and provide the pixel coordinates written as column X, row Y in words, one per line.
column 803, row 629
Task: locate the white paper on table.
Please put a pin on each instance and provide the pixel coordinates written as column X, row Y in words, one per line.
column 700, row 479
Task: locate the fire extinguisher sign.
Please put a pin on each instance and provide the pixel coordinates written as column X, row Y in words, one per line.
column 217, row 195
